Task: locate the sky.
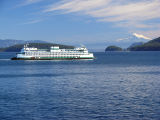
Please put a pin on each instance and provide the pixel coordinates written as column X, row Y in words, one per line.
column 93, row 23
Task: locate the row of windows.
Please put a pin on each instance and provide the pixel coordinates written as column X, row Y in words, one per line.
column 63, row 52
column 72, row 51
column 53, row 56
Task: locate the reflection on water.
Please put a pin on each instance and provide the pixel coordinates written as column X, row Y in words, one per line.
column 118, row 86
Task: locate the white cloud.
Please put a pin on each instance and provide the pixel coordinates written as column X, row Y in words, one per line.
column 137, row 25
column 141, row 36
column 131, row 11
column 132, row 14
column 110, row 10
column 122, row 39
column 125, row 13
column 77, row 5
column 33, row 21
column 28, row 2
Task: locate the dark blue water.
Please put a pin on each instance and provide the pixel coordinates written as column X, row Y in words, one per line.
column 114, row 86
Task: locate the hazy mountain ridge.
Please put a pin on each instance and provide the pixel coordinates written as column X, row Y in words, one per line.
column 18, row 47
column 10, row 42
column 136, row 44
column 153, row 45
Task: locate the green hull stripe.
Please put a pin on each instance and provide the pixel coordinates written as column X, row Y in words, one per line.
column 51, row 58
column 64, row 57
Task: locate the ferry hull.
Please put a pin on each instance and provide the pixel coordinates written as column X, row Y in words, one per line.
column 14, row 58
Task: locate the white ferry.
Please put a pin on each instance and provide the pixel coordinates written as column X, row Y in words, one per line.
column 54, row 53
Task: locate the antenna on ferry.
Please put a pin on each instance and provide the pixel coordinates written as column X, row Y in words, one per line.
column 82, row 45
column 27, row 44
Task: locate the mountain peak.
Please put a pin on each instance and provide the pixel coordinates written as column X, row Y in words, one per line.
column 141, row 36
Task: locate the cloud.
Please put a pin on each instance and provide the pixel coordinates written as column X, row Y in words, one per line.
column 33, row 21
column 130, row 11
column 136, row 24
column 136, row 14
column 122, row 39
column 77, row 5
column 110, row 10
column 141, row 36
column 29, row 2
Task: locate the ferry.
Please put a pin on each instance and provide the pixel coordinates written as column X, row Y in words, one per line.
column 54, row 53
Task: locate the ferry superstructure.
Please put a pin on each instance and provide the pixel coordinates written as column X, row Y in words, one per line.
column 54, row 53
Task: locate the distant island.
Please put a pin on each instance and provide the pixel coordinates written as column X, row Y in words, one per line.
column 18, row 47
column 152, row 45
column 113, row 48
